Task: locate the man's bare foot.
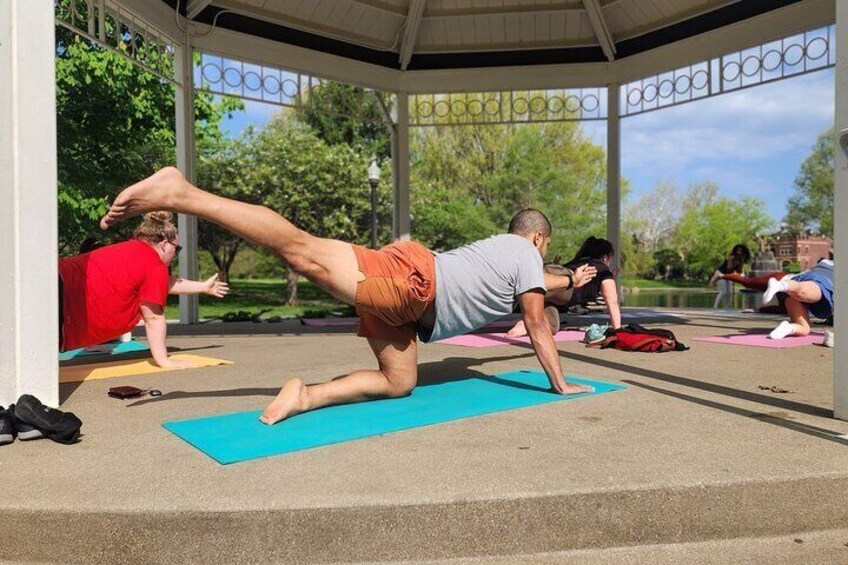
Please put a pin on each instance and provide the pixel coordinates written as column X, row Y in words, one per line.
column 292, row 399
column 518, row 330
column 577, row 389
column 153, row 193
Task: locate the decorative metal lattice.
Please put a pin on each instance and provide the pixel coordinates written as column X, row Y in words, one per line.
column 507, row 107
column 114, row 28
column 792, row 56
column 273, row 85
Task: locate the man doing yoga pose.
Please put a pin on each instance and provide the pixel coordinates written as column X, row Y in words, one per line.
column 400, row 292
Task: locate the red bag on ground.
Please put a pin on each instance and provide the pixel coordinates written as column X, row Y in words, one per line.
column 634, row 337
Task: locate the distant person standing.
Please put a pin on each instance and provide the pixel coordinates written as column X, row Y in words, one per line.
column 733, row 263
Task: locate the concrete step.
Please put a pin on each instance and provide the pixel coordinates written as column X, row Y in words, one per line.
column 806, row 548
column 462, row 529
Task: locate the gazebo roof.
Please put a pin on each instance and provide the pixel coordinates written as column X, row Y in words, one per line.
column 453, row 34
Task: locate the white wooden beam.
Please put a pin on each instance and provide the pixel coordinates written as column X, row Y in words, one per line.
column 29, row 320
column 250, row 49
column 185, row 136
column 401, row 224
column 194, row 7
column 506, row 78
column 840, row 219
column 774, row 25
column 614, row 171
column 599, row 25
column 156, row 14
column 410, row 32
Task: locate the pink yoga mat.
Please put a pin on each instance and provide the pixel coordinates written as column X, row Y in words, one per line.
column 344, row 322
column 495, row 339
column 763, row 340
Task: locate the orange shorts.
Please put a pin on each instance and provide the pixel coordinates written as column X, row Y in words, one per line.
column 399, row 285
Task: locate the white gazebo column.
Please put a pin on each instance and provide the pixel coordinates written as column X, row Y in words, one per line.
column 614, row 172
column 400, row 169
column 187, row 225
column 840, row 213
column 29, row 334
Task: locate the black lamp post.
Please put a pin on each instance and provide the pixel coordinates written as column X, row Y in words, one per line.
column 374, row 180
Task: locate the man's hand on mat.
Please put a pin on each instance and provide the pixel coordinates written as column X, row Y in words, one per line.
column 216, row 288
column 583, row 274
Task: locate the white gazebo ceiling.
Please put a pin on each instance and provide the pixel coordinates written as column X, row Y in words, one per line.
column 449, row 34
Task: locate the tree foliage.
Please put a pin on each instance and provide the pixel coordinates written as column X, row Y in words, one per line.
column 115, row 126
column 468, row 181
column 709, row 230
column 343, row 114
column 810, row 208
column 322, row 189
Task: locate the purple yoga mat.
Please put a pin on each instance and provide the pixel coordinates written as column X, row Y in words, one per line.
column 763, row 340
column 495, row 339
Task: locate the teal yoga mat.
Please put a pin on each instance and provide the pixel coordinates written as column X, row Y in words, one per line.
column 232, row 438
column 105, row 350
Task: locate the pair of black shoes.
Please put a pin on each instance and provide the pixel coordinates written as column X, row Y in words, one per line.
column 29, row 419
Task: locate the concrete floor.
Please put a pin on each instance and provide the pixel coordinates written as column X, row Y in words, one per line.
column 693, row 458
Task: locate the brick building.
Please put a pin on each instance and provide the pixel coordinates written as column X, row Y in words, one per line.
column 801, row 250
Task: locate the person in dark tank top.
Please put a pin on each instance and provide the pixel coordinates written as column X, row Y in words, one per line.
column 595, row 252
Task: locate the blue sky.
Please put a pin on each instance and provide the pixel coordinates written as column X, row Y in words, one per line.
column 751, row 142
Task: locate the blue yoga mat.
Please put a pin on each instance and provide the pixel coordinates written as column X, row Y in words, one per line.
column 231, row 438
column 111, row 348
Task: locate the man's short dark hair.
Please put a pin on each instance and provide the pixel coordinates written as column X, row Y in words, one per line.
column 529, row 221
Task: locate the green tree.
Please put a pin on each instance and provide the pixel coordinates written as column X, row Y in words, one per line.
column 343, row 114
column 115, row 125
column 469, row 180
column 708, row 231
column 647, row 227
column 320, row 188
column 810, row 207
column 223, row 168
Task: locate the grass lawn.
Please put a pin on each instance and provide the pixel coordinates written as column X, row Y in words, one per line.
column 250, row 297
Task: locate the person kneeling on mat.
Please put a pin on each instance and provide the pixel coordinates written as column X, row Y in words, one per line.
column 104, row 293
column 401, row 292
column 595, row 252
column 810, row 292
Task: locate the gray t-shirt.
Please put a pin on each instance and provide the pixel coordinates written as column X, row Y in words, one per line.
column 479, row 283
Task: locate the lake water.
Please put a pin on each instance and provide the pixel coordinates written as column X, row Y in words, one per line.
column 689, row 298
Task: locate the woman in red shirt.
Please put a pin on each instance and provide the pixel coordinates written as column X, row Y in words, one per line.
column 104, row 293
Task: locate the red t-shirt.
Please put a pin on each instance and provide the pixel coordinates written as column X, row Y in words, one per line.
column 103, row 291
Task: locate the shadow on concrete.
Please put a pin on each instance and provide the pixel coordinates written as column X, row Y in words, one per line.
column 777, row 419
column 706, row 386
column 450, row 369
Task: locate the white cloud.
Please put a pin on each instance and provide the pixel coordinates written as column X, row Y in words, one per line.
column 757, row 124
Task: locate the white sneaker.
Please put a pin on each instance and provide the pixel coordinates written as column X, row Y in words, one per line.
column 782, row 330
column 774, row 286
column 828, row 339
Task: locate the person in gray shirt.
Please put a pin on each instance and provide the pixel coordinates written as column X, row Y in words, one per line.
column 400, row 292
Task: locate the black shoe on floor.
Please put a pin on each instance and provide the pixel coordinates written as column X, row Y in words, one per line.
column 7, row 428
column 25, row 431
column 62, row 427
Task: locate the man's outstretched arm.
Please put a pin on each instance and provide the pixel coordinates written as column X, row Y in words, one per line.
column 532, row 306
column 582, row 275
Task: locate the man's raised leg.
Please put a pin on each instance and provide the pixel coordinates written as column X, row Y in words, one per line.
column 329, row 263
column 396, row 376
